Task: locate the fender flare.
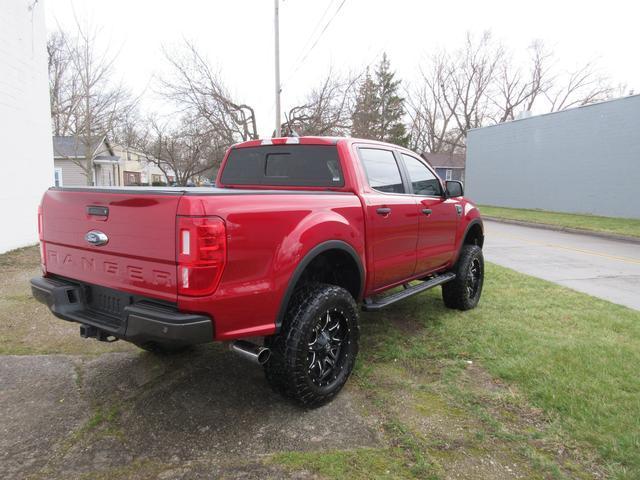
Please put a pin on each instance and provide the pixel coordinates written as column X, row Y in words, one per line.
column 472, row 223
column 475, row 221
column 308, row 258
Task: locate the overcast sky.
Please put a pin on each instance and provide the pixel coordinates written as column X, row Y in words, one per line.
column 237, row 37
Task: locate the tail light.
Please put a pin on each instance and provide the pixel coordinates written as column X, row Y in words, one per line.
column 201, row 254
column 43, row 256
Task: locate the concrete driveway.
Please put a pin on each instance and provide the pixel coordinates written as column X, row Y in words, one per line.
column 203, row 414
column 608, row 269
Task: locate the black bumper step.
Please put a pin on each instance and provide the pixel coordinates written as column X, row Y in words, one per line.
column 104, row 313
column 371, row 305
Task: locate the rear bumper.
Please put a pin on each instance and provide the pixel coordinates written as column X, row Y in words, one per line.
column 139, row 321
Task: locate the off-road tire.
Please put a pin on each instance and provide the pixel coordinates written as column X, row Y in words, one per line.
column 288, row 370
column 459, row 293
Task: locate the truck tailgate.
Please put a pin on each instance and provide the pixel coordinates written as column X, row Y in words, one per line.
column 139, row 256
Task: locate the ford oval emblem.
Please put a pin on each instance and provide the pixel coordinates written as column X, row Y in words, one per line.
column 96, row 237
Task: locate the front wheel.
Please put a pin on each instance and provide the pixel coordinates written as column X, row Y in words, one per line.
column 314, row 354
column 463, row 292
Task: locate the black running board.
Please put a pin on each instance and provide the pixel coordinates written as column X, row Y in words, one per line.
column 372, row 306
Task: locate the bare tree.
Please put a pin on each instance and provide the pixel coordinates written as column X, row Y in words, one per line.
column 467, row 86
column 193, row 85
column 86, row 103
column 454, row 95
column 326, row 110
column 518, row 90
column 102, row 102
column 579, row 87
column 541, row 86
column 187, row 149
column 63, row 84
column 482, row 83
column 430, row 118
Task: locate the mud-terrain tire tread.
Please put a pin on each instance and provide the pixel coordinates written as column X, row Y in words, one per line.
column 454, row 293
column 286, row 370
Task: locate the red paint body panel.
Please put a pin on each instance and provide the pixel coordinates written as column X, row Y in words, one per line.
column 268, row 234
column 140, row 255
column 437, row 232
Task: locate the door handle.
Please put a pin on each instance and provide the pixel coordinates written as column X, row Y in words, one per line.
column 427, row 211
column 383, row 211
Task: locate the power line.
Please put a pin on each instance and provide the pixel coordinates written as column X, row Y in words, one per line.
column 316, row 42
column 315, row 30
column 309, row 39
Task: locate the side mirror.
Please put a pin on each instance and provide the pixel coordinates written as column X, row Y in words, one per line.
column 454, row 188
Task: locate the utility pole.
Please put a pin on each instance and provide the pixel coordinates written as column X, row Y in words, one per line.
column 277, row 32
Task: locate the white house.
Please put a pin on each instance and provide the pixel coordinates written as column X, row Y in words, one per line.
column 25, row 126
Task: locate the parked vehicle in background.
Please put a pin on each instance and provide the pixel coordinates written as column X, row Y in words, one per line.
column 297, row 236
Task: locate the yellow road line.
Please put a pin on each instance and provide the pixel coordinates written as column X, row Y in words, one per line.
column 573, row 249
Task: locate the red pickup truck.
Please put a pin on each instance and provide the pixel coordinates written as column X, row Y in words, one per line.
column 296, row 237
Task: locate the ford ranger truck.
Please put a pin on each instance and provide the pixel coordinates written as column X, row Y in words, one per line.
column 297, row 236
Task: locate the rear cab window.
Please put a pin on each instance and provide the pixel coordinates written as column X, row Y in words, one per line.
column 284, row 165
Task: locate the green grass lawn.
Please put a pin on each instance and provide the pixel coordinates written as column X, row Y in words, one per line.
column 620, row 226
column 572, row 355
column 571, row 359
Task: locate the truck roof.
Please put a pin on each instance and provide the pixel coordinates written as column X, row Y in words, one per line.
column 307, row 140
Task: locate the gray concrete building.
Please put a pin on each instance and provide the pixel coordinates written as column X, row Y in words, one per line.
column 582, row 160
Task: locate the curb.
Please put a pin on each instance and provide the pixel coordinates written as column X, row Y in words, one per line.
column 558, row 228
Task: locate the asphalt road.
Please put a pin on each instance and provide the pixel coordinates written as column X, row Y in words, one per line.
column 608, row 269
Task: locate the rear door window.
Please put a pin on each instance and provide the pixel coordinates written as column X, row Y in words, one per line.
column 288, row 165
column 382, row 170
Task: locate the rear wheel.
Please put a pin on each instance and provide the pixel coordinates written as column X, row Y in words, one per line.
column 314, row 354
column 463, row 293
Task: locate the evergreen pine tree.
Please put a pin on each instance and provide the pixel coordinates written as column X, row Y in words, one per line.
column 379, row 108
column 365, row 115
column 390, row 105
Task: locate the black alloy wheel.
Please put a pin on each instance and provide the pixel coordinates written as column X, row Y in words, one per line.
column 326, row 353
column 463, row 292
column 316, row 348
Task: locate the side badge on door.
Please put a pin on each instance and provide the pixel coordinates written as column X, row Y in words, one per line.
column 459, row 210
column 96, row 237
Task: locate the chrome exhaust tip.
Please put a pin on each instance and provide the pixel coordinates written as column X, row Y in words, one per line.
column 252, row 352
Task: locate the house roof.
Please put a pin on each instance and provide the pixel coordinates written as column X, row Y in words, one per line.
column 72, row 146
column 444, row 160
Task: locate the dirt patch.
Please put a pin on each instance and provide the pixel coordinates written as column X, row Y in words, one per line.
column 39, row 405
column 512, row 416
column 28, row 327
column 91, row 415
column 455, row 440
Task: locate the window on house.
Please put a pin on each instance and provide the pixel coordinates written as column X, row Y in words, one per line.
column 57, row 177
column 382, row 170
column 449, row 175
